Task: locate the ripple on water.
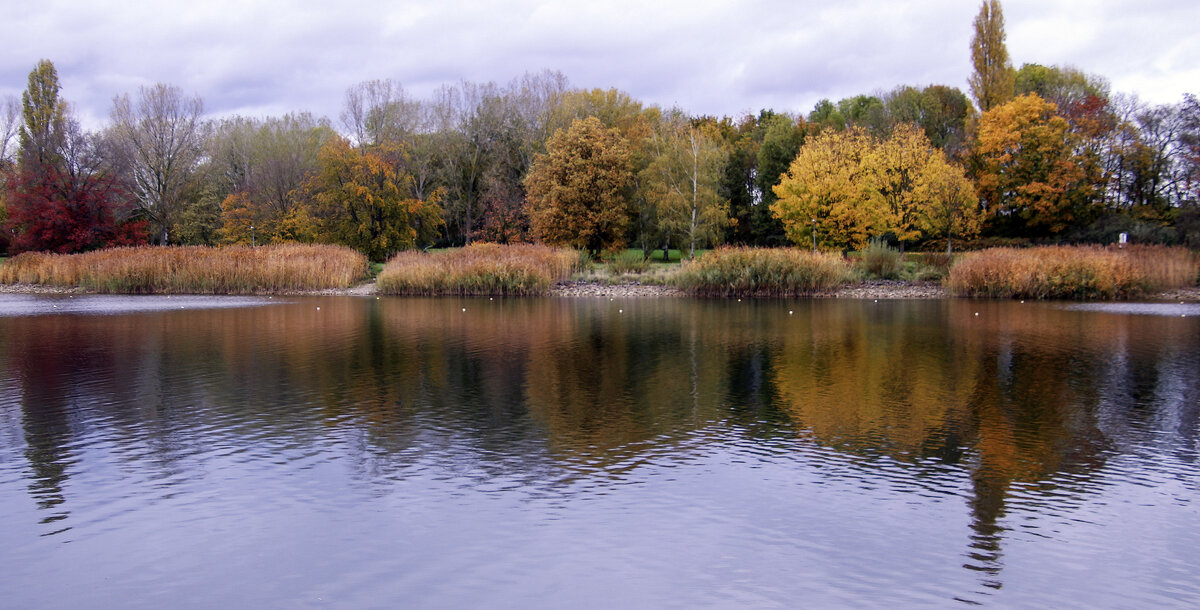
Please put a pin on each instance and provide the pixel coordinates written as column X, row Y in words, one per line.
column 390, row 451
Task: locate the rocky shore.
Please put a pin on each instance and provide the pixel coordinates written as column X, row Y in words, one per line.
column 875, row 289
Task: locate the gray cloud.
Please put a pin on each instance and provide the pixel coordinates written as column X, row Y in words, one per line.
column 260, row 57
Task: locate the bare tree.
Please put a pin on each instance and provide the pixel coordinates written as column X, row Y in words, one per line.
column 379, row 111
column 10, row 124
column 160, row 139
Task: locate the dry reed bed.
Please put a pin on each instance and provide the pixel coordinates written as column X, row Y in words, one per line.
column 478, row 270
column 769, row 272
column 1073, row 272
column 192, row 269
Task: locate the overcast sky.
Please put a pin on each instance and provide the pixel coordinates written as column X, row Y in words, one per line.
column 267, row 57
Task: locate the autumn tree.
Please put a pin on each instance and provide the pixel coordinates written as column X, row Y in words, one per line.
column 579, row 190
column 362, row 199
column 1031, row 174
column 951, row 206
column 160, row 139
column 992, row 81
column 682, row 181
column 891, row 172
column 514, row 124
column 848, row 186
column 823, row 199
column 72, row 205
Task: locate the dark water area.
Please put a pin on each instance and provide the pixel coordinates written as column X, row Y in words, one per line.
column 397, row 452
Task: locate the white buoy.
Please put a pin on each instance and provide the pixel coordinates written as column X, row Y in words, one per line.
column 318, row 309
column 790, row 312
column 977, row 314
column 464, row 308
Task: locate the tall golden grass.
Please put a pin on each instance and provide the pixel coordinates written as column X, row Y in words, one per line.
column 478, row 270
column 192, row 269
column 1073, row 272
column 762, row 272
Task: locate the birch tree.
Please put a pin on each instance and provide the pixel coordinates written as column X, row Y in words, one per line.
column 682, row 181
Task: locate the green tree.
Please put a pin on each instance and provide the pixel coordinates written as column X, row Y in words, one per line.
column 43, row 132
column 781, row 137
column 825, row 115
column 941, row 112
column 739, row 180
column 579, row 191
column 992, row 81
column 867, row 112
column 1064, row 87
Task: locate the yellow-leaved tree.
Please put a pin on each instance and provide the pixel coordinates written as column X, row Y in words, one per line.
column 823, row 197
column 846, row 187
column 952, row 207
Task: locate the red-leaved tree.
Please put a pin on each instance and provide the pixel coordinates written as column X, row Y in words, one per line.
column 62, row 211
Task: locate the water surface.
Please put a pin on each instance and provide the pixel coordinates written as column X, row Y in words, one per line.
column 362, row 452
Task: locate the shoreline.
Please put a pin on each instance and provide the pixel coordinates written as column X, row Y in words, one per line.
column 872, row 289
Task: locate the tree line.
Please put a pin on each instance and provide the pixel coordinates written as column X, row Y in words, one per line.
column 1043, row 153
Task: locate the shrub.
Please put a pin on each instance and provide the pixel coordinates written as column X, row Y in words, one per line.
column 478, row 269
column 762, row 272
column 1080, row 272
column 881, row 261
column 628, row 262
column 192, row 269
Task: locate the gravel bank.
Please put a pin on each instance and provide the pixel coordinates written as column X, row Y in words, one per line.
column 877, row 289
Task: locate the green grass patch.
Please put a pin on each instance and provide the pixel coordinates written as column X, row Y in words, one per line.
column 192, row 269
column 772, row 272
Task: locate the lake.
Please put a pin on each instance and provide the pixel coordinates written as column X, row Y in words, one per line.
column 200, row 452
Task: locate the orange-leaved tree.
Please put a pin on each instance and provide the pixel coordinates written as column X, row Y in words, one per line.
column 580, row 190
column 1030, row 170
